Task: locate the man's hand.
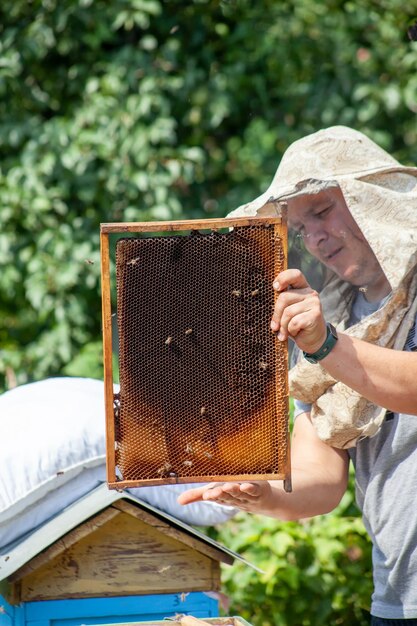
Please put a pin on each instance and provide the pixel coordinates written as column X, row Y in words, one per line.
column 245, row 496
column 319, row 477
column 298, row 313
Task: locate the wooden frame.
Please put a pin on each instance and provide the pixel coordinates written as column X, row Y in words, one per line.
column 280, row 230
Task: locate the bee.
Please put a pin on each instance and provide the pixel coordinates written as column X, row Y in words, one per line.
column 168, row 341
column 236, row 293
column 203, row 410
column 254, row 293
column 133, row 261
column 188, row 331
column 188, row 463
column 89, row 262
column 164, row 470
column 189, row 449
column 264, row 366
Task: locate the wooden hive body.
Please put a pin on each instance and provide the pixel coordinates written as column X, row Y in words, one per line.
column 116, row 557
column 120, row 551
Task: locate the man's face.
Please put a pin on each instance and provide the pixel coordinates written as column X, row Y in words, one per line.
column 331, row 234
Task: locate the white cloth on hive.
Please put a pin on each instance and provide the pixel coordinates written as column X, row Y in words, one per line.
column 52, row 452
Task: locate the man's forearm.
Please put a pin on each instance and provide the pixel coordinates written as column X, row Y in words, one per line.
column 312, row 494
column 383, row 376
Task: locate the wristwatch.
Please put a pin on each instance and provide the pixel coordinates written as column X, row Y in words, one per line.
column 324, row 350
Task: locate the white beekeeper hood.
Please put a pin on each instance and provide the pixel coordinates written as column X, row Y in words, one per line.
column 381, row 195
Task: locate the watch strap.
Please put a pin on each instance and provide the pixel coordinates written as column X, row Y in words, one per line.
column 328, row 345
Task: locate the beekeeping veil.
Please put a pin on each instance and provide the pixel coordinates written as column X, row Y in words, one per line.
column 381, row 195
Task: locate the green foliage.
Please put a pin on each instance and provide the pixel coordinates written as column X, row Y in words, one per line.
column 144, row 110
column 315, row 572
column 151, row 109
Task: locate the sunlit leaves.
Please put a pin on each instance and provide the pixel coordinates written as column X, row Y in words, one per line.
column 315, row 572
column 143, row 109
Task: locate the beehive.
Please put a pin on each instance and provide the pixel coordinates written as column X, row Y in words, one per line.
column 110, row 557
column 203, row 380
column 180, row 621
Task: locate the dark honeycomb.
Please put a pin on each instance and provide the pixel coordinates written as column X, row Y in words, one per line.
column 203, row 380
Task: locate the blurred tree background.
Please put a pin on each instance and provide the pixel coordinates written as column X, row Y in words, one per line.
column 161, row 109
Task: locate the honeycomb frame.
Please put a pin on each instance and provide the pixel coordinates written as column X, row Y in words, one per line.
column 180, row 432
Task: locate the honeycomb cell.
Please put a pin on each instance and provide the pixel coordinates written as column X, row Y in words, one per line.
column 203, row 380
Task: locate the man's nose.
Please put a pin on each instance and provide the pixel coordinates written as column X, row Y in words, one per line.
column 314, row 236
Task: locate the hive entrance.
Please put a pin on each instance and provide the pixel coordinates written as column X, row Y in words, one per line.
column 203, row 381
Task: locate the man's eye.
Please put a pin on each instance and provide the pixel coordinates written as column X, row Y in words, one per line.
column 323, row 212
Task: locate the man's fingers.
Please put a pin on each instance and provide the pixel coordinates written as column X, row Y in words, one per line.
column 226, row 493
column 251, row 489
column 235, row 490
column 213, row 491
column 293, row 287
column 192, row 495
column 291, row 278
column 291, row 304
column 283, row 303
